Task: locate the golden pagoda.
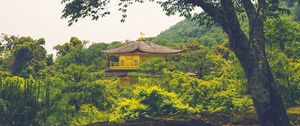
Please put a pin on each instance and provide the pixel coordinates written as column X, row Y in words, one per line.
column 131, row 55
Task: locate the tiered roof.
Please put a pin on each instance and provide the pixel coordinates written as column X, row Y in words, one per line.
column 142, row 46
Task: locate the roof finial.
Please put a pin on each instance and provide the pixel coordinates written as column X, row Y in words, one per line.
column 142, row 34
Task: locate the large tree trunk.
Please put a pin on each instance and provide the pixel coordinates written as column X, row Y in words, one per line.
column 268, row 103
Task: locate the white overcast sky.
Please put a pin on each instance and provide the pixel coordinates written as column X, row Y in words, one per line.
column 41, row 18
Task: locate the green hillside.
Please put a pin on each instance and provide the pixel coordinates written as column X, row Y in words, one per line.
column 188, row 30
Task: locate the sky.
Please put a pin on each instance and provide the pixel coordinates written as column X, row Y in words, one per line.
column 42, row 18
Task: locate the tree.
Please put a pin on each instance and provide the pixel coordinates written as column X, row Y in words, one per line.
column 69, row 47
column 25, row 56
column 76, row 63
column 291, row 3
column 200, row 60
column 153, row 66
column 283, row 37
column 248, row 46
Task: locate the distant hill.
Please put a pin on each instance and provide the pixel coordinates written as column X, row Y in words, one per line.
column 187, row 30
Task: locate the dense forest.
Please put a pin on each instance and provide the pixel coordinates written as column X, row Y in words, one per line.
column 72, row 89
column 186, row 30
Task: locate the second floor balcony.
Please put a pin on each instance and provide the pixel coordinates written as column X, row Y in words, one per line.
column 123, row 66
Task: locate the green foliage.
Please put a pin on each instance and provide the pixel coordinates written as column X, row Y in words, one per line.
column 22, row 102
column 89, row 114
column 283, row 53
column 159, row 101
column 77, row 73
column 284, row 34
column 25, row 56
column 195, row 59
column 153, row 66
column 206, row 96
column 147, row 102
column 77, row 102
column 69, row 47
column 208, row 63
column 129, row 109
column 188, row 30
column 286, row 72
column 76, row 63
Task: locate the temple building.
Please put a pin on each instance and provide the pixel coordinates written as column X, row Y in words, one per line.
column 131, row 55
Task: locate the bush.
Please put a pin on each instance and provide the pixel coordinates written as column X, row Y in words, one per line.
column 89, row 114
column 129, row 109
column 159, row 101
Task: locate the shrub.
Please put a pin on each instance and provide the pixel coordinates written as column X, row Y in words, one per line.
column 159, row 101
column 128, row 109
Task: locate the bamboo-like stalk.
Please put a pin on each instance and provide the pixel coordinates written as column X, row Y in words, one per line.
column 24, row 100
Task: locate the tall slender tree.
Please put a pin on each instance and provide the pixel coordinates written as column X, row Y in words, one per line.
column 248, row 46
